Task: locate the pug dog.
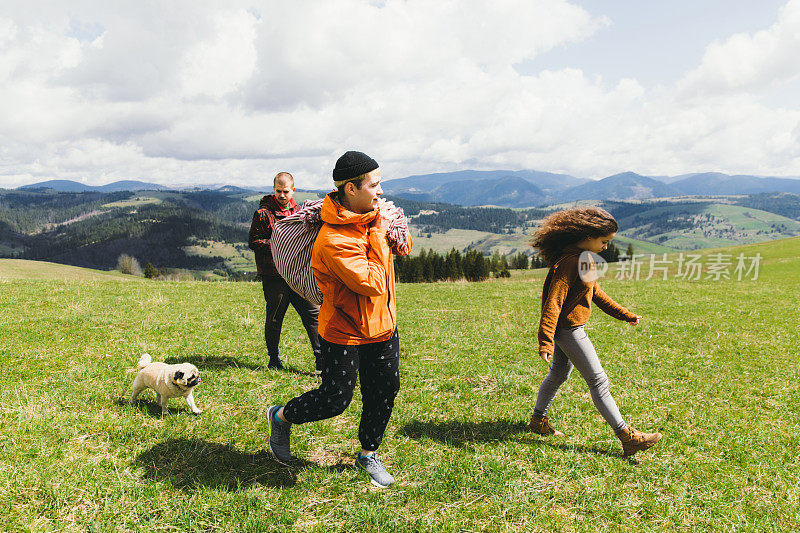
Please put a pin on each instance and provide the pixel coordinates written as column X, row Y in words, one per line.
column 168, row 381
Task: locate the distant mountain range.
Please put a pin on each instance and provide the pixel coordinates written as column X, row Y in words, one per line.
column 548, row 182
column 709, row 183
column 521, row 188
column 74, row 186
column 506, row 191
column 625, row 186
column 530, row 188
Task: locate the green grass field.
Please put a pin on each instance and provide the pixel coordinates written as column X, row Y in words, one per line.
column 713, row 366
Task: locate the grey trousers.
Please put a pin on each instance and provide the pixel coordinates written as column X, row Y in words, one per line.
column 573, row 347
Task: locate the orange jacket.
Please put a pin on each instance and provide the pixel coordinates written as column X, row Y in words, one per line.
column 354, row 269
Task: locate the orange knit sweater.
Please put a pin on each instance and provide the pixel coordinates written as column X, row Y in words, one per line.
column 566, row 299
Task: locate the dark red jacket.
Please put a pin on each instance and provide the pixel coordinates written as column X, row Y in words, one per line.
column 269, row 211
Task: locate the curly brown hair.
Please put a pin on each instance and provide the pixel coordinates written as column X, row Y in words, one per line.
column 571, row 226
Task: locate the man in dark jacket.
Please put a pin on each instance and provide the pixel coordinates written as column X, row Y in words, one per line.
column 277, row 292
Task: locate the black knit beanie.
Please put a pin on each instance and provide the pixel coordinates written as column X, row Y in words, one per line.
column 351, row 165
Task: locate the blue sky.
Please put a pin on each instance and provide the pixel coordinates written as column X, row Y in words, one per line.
column 657, row 42
column 653, row 41
column 198, row 93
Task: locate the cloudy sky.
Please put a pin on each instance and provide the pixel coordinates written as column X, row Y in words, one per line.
column 188, row 92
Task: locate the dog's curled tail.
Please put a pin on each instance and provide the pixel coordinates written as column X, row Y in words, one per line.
column 143, row 361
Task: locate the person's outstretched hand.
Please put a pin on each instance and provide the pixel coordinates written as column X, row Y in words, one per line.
column 634, row 322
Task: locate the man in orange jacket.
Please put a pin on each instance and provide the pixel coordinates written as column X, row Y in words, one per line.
column 353, row 266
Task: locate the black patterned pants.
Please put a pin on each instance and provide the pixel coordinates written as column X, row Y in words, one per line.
column 377, row 365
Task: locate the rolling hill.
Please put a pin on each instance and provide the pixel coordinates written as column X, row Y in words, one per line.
column 624, row 186
column 421, row 183
column 501, row 189
column 690, row 226
column 206, row 230
column 91, row 229
column 506, row 188
column 21, row 269
column 716, row 183
column 652, row 227
column 74, row 186
column 507, row 191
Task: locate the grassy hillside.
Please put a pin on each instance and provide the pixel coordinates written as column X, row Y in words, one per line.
column 652, row 227
column 460, row 239
column 703, row 225
column 236, row 256
column 134, row 201
column 21, row 269
column 639, row 246
column 73, row 456
column 507, row 244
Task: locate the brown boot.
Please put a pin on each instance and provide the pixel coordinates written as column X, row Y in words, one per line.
column 634, row 441
column 540, row 425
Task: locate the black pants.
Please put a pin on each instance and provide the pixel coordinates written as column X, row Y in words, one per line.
column 378, row 365
column 279, row 295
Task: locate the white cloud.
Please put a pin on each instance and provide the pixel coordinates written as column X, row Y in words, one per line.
column 189, row 92
column 220, row 64
column 746, row 62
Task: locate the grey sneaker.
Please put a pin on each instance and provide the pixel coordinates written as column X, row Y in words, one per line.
column 279, row 432
column 371, row 464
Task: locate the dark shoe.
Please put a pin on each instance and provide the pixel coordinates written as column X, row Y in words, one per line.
column 541, row 426
column 634, row 441
column 372, row 465
column 279, row 432
column 275, row 364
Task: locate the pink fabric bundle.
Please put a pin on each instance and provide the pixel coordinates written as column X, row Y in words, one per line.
column 293, row 239
column 397, row 234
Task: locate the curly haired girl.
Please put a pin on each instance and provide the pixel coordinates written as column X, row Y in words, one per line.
column 570, row 287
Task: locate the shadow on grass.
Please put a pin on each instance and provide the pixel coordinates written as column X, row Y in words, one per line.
column 152, row 407
column 212, row 362
column 192, row 463
column 579, row 448
column 461, row 434
column 289, row 369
